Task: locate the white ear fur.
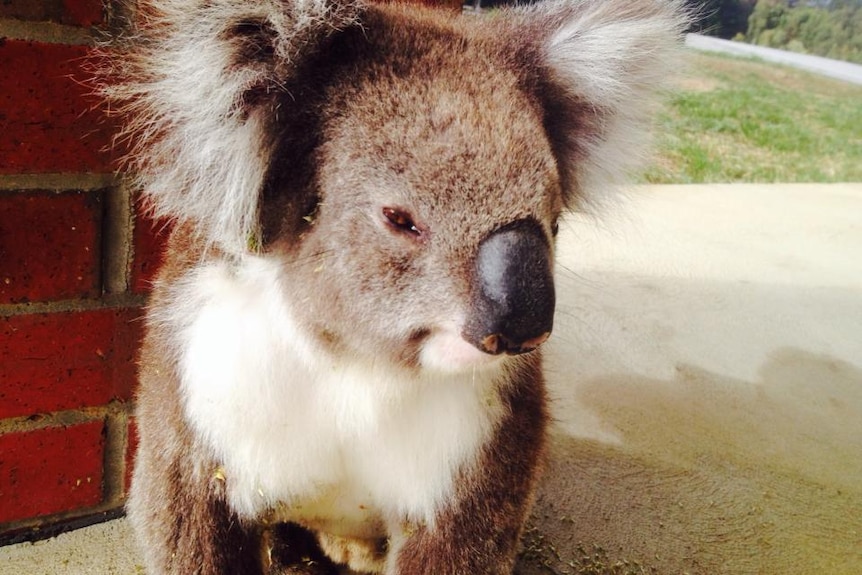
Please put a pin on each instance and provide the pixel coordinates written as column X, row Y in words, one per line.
column 608, row 61
column 199, row 151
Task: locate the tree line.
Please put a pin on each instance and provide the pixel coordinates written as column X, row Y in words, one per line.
column 830, row 28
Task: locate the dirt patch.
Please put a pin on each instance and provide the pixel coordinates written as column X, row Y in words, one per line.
column 697, row 84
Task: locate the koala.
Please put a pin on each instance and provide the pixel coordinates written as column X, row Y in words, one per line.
column 341, row 370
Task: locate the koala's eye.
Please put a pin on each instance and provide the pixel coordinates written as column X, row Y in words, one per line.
column 555, row 227
column 401, row 221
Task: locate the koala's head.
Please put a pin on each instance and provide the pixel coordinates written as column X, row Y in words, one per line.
column 406, row 168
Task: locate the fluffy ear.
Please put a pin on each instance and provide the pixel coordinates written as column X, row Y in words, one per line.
column 194, row 81
column 604, row 64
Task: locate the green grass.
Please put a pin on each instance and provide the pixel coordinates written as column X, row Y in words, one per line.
column 734, row 120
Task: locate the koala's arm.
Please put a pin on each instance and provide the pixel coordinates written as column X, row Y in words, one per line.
column 478, row 532
column 177, row 500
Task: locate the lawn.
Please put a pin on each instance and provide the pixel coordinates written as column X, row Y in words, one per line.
column 737, row 120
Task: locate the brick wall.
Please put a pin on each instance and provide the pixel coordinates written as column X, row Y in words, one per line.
column 75, row 261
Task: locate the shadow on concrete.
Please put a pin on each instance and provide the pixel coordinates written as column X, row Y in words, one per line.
column 712, row 477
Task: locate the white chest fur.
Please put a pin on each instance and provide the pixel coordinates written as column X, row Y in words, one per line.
column 328, row 441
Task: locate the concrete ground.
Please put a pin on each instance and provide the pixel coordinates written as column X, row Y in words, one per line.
column 706, row 375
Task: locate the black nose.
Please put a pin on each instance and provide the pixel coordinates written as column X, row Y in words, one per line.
column 512, row 307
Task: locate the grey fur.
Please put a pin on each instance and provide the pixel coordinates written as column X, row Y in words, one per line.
column 345, row 162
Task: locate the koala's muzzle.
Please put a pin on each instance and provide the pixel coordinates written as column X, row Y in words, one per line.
column 512, row 307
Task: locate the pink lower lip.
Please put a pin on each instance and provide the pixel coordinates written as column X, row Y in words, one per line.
column 448, row 350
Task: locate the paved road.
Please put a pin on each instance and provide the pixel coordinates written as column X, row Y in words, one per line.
column 824, row 66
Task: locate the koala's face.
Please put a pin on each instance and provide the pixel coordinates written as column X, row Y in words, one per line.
column 437, row 196
column 405, row 167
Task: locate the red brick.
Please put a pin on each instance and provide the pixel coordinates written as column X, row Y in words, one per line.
column 51, row 470
column 59, row 361
column 72, row 12
column 149, row 239
column 49, row 246
column 82, row 12
column 49, row 118
column 47, row 10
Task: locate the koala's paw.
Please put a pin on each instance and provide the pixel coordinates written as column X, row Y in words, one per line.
column 362, row 555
